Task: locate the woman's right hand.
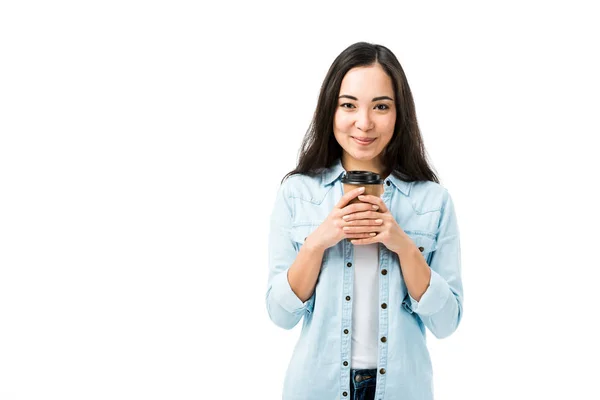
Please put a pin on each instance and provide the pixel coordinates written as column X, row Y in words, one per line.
column 330, row 232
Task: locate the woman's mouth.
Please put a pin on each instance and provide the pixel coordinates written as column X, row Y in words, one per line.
column 363, row 141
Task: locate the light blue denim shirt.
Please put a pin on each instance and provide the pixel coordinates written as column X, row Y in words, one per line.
column 424, row 210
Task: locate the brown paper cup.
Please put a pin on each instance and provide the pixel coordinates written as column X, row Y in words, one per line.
column 371, row 181
column 374, row 190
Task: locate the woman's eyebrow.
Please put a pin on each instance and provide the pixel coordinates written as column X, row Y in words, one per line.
column 382, row 98
column 374, row 98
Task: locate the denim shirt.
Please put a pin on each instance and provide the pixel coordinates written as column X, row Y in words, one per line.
column 320, row 364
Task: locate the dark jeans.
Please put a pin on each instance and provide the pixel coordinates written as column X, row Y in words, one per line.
column 362, row 384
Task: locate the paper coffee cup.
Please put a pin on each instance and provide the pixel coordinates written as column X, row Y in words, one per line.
column 371, row 181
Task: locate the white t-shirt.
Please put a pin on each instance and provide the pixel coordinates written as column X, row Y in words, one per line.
column 365, row 307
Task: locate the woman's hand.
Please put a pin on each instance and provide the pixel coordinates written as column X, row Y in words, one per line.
column 331, row 231
column 386, row 228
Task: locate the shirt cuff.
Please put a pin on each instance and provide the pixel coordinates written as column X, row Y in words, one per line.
column 284, row 295
column 434, row 298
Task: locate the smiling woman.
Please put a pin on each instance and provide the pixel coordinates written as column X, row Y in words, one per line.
column 366, row 301
column 364, row 121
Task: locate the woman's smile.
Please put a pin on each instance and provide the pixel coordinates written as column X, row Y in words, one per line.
column 363, row 141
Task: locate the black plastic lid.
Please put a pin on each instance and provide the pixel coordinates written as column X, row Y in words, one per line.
column 362, row 178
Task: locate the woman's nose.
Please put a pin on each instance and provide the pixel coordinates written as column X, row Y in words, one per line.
column 363, row 121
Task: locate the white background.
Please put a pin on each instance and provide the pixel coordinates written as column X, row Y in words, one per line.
column 142, row 144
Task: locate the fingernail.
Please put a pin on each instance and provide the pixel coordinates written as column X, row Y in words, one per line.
column 360, row 196
column 372, row 234
column 361, row 189
column 375, row 207
column 346, row 217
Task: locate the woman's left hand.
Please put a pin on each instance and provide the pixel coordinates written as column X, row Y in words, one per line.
column 388, row 232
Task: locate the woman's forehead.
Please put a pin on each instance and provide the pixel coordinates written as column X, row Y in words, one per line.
column 367, row 81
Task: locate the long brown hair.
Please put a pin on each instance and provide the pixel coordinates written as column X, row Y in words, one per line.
column 404, row 156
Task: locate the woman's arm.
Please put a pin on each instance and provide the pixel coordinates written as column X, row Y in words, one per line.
column 292, row 274
column 304, row 272
column 438, row 300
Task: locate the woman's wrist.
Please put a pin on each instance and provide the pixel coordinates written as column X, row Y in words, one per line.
column 312, row 245
column 405, row 245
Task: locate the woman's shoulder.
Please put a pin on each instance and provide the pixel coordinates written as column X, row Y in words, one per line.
column 304, row 187
column 428, row 196
column 429, row 187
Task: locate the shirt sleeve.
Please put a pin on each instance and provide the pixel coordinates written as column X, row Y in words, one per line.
column 440, row 308
column 284, row 307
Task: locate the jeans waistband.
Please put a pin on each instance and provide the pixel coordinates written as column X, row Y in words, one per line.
column 363, row 377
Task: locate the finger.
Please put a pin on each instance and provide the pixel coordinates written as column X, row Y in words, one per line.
column 362, row 215
column 362, row 219
column 358, row 242
column 361, row 229
column 356, row 207
column 360, row 235
column 374, row 200
column 349, row 196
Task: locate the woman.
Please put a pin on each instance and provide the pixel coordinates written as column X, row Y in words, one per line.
column 365, row 301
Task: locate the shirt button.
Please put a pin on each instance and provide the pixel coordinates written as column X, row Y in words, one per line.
column 347, row 298
column 388, row 183
column 382, row 371
column 384, row 306
column 384, row 272
column 345, row 363
column 383, row 339
column 421, row 248
column 345, row 394
column 346, row 331
column 349, row 265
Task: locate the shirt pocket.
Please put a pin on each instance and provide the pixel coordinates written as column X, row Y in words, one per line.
column 299, row 233
column 425, row 242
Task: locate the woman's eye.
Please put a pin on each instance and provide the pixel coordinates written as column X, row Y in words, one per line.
column 382, row 107
column 347, row 105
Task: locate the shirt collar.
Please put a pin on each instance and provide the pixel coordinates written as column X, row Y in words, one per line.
column 336, row 171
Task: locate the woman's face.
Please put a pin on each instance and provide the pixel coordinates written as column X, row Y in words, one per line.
column 365, row 110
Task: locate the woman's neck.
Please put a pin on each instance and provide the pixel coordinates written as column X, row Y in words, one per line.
column 352, row 164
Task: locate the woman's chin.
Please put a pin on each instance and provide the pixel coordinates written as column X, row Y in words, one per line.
column 363, row 155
